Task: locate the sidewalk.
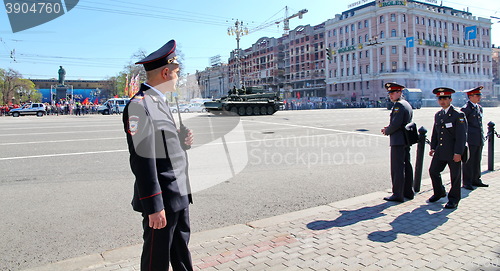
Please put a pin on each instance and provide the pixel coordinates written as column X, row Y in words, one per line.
column 362, row 233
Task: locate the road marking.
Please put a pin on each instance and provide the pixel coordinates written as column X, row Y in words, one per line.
column 70, row 132
column 59, row 154
column 59, row 141
column 317, row 128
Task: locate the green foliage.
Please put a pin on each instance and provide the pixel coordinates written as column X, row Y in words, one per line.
column 15, row 88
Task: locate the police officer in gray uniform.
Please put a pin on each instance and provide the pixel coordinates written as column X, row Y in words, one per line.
column 159, row 162
column 401, row 169
column 475, row 139
column 449, row 136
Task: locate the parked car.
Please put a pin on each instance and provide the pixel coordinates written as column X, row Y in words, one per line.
column 37, row 109
column 195, row 107
column 121, row 102
column 182, row 108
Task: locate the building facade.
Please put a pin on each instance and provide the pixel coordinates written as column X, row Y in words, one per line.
column 419, row 45
column 213, row 82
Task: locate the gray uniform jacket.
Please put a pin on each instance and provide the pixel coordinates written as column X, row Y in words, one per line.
column 401, row 115
column 475, row 135
column 449, row 135
column 156, row 157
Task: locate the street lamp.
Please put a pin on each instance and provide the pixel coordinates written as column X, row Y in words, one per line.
column 238, row 30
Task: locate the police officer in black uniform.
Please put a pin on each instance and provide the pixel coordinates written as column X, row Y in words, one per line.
column 159, row 162
column 401, row 169
column 475, row 139
column 449, row 137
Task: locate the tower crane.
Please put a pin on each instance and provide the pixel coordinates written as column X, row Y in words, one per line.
column 285, row 20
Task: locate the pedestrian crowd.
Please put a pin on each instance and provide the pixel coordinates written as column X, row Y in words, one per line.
column 59, row 108
column 308, row 104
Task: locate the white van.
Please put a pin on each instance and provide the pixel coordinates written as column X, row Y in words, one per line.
column 121, row 102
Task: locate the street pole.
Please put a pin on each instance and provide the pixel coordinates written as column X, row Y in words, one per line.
column 238, row 30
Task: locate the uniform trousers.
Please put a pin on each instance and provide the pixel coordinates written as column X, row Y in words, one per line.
column 435, row 169
column 472, row 168
column 401, row 172
column 169, row 244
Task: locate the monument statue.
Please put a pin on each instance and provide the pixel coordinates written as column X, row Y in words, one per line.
column 62, row 73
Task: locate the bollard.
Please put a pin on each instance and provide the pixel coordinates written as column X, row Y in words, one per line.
column 491, row 147
column 420, row 158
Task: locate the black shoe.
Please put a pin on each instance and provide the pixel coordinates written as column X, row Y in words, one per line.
column 435, row 198
column 451, row 205
column 393, row 198
column 468, row 187
column 480, row 184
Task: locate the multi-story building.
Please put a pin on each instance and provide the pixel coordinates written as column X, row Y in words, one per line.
column 260, row 65
column 419, row 45
column 496, row 71
column 294, row 63
column 304, row 61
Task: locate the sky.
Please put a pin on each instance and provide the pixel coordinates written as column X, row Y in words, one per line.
column 97, row 39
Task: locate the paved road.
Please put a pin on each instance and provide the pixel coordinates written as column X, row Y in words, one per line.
column 66, row 185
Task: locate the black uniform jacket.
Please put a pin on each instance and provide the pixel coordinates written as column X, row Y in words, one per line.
column 156, row 157
column 401, row 115
column 475, row 135
column 449, row 134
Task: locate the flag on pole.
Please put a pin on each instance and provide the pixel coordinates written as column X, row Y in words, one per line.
column 136, row 83
column 126, row 88
column 86, row 101
column 131, row 91
column 96, row 101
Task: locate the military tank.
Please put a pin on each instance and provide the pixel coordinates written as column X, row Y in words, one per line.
column 248, row 101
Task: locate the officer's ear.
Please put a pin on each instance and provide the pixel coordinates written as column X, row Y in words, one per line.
column 165, row 73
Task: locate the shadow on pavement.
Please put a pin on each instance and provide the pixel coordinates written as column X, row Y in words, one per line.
column 350, row 217
column 416, row 222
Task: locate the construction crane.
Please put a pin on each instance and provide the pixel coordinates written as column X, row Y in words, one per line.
column 285, row 20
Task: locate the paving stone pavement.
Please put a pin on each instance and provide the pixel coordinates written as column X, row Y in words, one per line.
column 362, row 233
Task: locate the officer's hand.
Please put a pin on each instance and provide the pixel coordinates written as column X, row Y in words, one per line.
column 457, row 157
column 189, row 138
column 431, row 152
column 158, row 220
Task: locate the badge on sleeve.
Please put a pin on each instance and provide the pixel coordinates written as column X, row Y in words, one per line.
column 396, row 109
column 133, row 124
column 461, row 120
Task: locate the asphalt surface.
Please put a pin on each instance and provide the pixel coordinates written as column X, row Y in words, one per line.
column 65, row 185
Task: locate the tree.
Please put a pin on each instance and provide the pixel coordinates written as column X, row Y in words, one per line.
column 12, row 85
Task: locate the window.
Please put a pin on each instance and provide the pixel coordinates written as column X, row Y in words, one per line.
column 366, row 38
column 393, row 33
column 404, row 33
column 416, row 19
column 381, row 19
column 352, row 27
column 334, row 32
column 393, row 17
column 382, row 67
column 404, row 18
column 394, row 66
column 346, row 29
column 382, row 51
column 366, row 23
column 382, row 35
column 359, row 25
column 393, row 50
